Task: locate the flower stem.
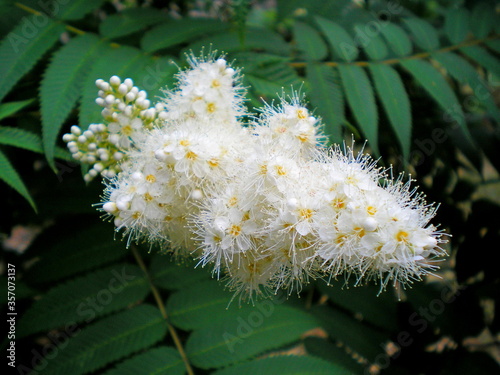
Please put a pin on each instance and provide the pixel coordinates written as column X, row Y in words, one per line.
column 161, row 306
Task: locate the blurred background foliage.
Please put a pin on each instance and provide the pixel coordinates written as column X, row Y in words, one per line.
column 419, row 80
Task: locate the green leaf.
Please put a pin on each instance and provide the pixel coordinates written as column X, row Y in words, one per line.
column 328, row 351
column 108, row 340
column 365, row 303
column 360, row 338
column 168, row 274
column 342, row 44
column 290, row 365
column 161, row 360
column 483, row 58
column 176, row 32
column 309, row 42
column 29, row 141
column 247, row 334
column 256, row 38
column 326, row 96
column 130, row 21
column 397, row 39
column 263, row 88
column 483, row 19
column 461, row 70
column 456, row 24
column 20, row 138
column 23, row 47
column 253, row 61
column 436, row 86
column 271, row 80
column 199, row 305
column 91, row 247
column 10, row 176
column 8, row 109
column 424, row 34
column 361, row 99
column 395, row 101
column 373, row 45
column 75, row 9
column 494, row 45
column 62, row 85
column 85, row 298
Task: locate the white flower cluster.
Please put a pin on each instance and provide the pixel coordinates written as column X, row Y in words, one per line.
column 264, row 203
column 127, row 113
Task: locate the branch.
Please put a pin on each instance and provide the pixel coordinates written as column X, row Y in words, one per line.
column 161, row 306
column 421, row 55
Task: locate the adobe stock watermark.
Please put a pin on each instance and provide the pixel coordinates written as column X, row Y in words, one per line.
column 156, row 75
column 419, row 319
column 64, row 168
column 86, row 309
column 31, row 25
column 424, row 148
column 247, row 325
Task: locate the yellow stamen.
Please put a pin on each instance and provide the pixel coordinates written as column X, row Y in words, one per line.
column 280, row 170
column 402, row 236
column 191, row 155
column 235, row 230
column 211, row 107
column 306, row 213
column 127, row 130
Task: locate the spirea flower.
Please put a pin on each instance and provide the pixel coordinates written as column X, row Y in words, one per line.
column 264, row 203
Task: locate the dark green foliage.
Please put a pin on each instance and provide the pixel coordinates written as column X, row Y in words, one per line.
column 395, row 101
column 285, row 365
column 161, row 360
column 417, row 80
column 327, row 98
column 361, row 99
column 18, row 54
column 245, row 334
column 108, row 340
column 85, row 298
column 62, row 84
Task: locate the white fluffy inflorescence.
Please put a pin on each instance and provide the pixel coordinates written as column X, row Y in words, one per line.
column 264, row 203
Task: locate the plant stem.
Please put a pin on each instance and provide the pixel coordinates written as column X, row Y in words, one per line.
column 68, row 27
column 161, row 306
column 393, row 61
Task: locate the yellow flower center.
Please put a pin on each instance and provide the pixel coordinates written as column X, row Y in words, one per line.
column 338, row 203
column 306, row 213
column 235, row 230
column 301, row 114
column 232, row 201
column 402, row 236
column 214, row 162
column 127, row 130
column 211, row 107
column 280, row 170
column 191, row 155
